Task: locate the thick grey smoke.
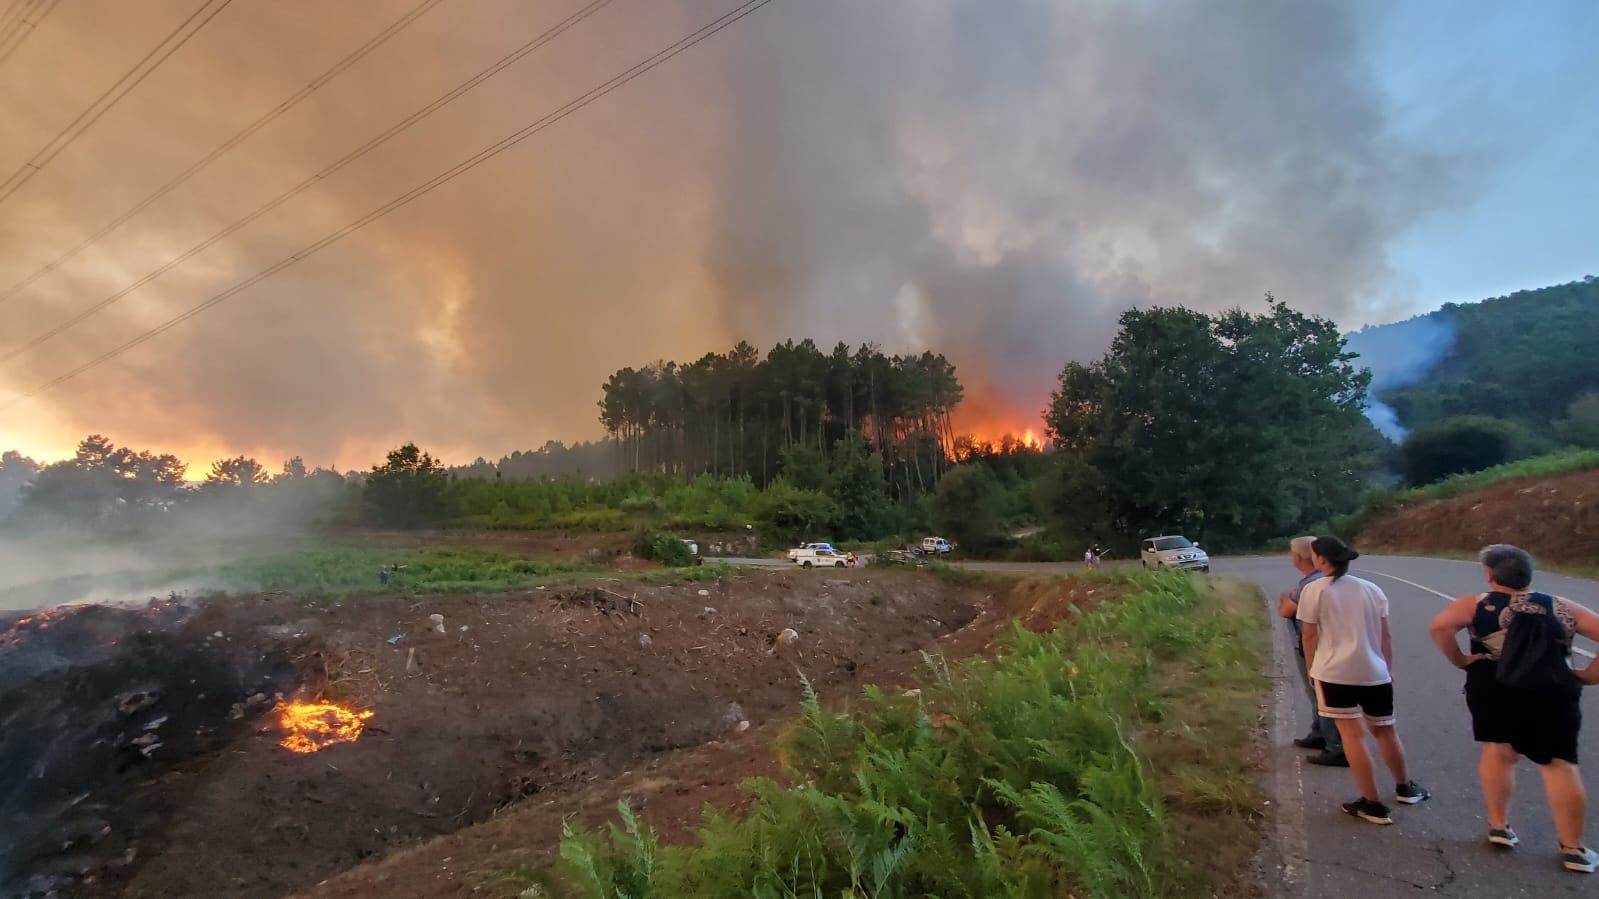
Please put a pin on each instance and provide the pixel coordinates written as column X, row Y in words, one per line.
column 995, row 181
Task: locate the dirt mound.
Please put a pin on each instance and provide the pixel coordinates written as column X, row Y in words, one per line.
column 509, row 697
column 1556, row 519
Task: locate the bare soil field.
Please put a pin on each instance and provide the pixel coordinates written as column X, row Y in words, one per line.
column 671, row 790
column 537, row 700
column 1557, row 519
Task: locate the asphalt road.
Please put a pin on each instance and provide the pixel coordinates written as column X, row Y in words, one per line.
column 1438, row 846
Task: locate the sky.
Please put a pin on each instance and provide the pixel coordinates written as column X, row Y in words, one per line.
column 995, row 181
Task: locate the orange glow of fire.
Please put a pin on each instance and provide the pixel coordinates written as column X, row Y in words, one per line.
column 312, row 726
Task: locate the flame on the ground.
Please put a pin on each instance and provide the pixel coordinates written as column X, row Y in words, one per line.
column 310, row 726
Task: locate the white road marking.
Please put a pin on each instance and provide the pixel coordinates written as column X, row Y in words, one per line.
column 1447, row 598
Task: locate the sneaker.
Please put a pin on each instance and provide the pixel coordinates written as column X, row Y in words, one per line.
column 1503, row 837
column 1411, row 793
column 1582, row 859
column 1311, row 743
column 1329, row 758
column 1366, row 810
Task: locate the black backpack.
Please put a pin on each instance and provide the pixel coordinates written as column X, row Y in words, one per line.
column 1534, row 654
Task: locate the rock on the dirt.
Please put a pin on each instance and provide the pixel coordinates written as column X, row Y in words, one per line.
column 644, row 641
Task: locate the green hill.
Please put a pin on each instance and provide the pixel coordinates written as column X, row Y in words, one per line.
column 1526, row 357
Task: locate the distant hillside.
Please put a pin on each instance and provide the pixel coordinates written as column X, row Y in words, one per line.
column 1524, row 357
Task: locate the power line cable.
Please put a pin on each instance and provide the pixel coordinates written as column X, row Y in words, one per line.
column 13, row 14
column 249, row 130
column 134, row 76
column 641, row 68
column 25, row 26
column 549, row 35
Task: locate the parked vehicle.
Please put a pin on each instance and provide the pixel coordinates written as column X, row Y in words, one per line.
column 1173, row 551
column 694, row 548
column 811, row 558
column 794, row 553
column 937, row 545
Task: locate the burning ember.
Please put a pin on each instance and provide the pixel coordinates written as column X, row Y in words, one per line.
column 311, row 726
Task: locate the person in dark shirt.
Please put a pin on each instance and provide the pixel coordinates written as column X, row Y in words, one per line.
column 1511, row 722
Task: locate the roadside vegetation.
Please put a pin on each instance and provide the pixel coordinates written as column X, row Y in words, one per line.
column 1109, row 757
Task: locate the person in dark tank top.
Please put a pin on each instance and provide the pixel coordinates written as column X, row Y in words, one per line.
column 1511, row 722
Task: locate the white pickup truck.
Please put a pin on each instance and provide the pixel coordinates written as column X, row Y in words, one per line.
column 937, row 545
column 812, row 558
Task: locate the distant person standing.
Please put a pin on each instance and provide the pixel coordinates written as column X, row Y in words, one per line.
column 1349, row 653
column 1523, row 696
column 1323, row 734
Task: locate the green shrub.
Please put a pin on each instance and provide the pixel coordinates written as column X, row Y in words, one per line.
column 664, row 548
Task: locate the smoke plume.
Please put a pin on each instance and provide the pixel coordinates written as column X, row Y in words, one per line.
column 994, row 181
column 1398, row 355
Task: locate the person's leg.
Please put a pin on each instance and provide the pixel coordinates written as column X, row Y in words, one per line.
column 1329, row 730
column 1353, row 731
column 1316, row 729
column 1497, row 771
column 1562, row 781
column 1393, row 752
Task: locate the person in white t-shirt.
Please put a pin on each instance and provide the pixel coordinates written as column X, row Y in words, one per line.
column 1349, row 654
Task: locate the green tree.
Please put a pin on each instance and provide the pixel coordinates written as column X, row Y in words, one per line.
column 857, row 487
column 1580, row 427
column 1459, row 445
column 968, row 506
column 1233, row 428
column 409, row 490
column 240, row 471
column 804, row 466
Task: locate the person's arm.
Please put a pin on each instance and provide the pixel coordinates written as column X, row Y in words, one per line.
column 1387, row 646
column 1449, row 623
column 1309, row 639
column 1588, row 626
column 1286, row 607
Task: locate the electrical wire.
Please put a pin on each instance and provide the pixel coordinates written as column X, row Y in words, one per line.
column 23, row 28
column 134, row 76
column 549, row 35
column 493, row 150
column 178, row 180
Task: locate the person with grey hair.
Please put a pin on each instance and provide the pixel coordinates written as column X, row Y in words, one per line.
column 1323, row 735
column 1539, row 720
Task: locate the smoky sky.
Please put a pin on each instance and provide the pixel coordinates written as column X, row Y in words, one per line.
column 996, row 181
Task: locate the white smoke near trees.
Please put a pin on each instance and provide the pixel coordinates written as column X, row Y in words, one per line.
column 1399, row 355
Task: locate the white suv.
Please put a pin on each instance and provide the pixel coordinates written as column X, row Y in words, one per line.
column 1173, row 552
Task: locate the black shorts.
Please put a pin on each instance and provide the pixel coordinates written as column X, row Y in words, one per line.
column 1537, row 725
column 1375, row 703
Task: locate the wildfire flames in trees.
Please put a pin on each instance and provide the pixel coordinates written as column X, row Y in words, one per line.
column 312, row 726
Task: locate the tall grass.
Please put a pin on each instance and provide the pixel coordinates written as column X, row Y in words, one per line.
column 1018, row 776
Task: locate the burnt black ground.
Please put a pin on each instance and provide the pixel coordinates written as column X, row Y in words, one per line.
column 94, row 701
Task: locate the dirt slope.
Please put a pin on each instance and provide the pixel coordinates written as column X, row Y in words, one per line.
column 522, row 695
column 1557, row 519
